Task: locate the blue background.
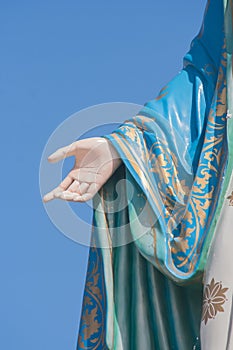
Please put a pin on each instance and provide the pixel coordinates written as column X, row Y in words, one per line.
column 58, row 57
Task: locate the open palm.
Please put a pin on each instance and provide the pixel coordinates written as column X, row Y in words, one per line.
column 95, row 161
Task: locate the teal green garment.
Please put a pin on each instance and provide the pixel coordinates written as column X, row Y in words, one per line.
column 154, row 220
column 129, row 304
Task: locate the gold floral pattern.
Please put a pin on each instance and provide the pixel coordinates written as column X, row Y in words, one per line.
column 230, row 199
column 92, row 330
column 214, row 298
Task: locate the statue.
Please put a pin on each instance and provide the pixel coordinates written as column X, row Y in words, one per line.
column 158, row 291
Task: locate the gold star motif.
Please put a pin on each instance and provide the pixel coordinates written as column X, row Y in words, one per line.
column 230, row 199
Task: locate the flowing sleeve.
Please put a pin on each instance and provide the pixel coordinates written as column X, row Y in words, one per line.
column 176, row 149
column 155, row 218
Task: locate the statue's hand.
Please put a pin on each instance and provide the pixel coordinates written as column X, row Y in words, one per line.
column 95, row 161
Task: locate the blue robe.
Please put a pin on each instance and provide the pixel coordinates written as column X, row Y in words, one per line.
column 154, row 220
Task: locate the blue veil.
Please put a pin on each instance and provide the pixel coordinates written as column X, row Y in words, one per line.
column 154, row 220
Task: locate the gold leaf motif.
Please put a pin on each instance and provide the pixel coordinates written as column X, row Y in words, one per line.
column 161, row 160
column 87, row 300
column 189, row 217
column 221, row 109
column 162, row 93
column 189, row 231
column 179, row 245
column 214, row 298
column 230, row 199
column 91, row 321
column 203, row 181
column 209, row 69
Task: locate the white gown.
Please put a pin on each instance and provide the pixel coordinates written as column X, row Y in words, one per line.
column 217, row 317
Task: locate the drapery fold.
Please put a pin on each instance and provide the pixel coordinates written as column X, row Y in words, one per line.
column 154, row 220
column 139, row 307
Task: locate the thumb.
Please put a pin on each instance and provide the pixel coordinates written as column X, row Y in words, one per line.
column 63, row 153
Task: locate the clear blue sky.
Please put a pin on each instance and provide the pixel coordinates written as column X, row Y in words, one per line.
column 58, row 57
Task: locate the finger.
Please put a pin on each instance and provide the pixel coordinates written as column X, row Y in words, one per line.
column 51, row 195
column 84, row 187
column 66, row 195
column 48, row 197
column 93, row 189
column 63, row 152
column 78, row 188
column 83, row 198
column 86, row 176
column 70, row 196
column 63, row 186
column 87, row 192
column 66, row 182
column 74, row 187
